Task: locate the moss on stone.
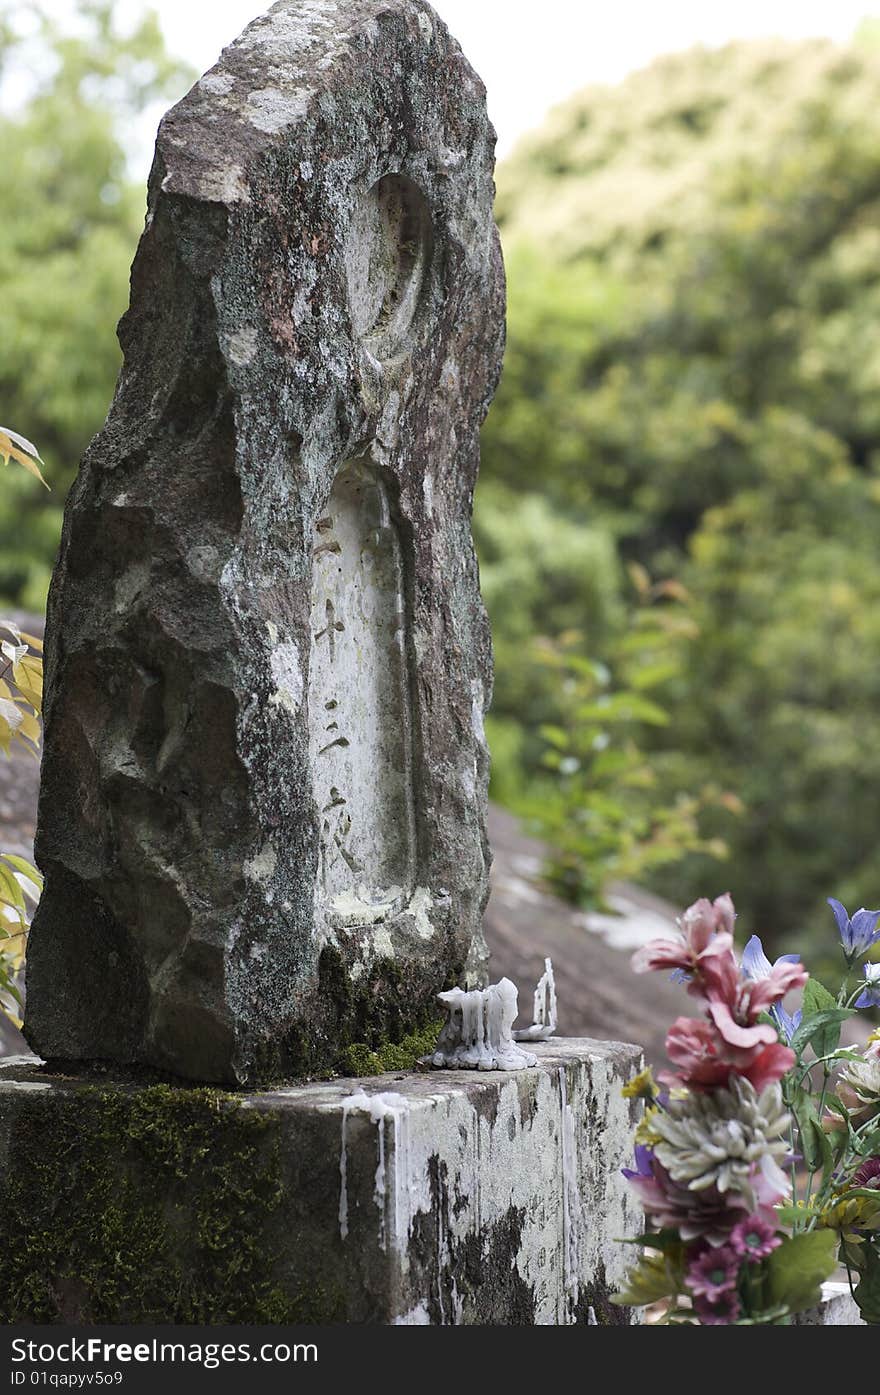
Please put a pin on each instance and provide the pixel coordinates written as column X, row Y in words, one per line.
column 383, row 1020
column 146, row 1205
column 361, row 1059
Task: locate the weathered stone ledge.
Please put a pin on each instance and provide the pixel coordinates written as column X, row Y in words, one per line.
column 447, row 1197
column 837, row 1309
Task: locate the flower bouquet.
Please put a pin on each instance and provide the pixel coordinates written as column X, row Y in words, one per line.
column 758, row 1157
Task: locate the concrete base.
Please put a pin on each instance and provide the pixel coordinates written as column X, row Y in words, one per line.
column 446, row 1197
column 837, row 1309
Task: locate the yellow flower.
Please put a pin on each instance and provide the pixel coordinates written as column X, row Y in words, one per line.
column 645, row 1132
column 642, row 1086
column 850, row 1213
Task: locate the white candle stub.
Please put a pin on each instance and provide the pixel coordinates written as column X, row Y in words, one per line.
column 478, row 1033
column 544, row 1023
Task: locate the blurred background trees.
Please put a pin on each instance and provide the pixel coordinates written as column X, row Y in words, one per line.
column 677, row 516
column 693, row 381
column 72, row 94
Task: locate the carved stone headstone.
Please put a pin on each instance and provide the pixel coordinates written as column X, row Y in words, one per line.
column 262, row 808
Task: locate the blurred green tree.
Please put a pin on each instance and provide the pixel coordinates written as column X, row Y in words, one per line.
column 70, row 225
column 693, row 371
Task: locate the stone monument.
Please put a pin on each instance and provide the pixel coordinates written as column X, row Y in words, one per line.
column 263, row 792
column 262, row 807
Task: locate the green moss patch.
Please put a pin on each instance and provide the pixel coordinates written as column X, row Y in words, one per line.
column 361, row 1059
column 150, row 1205
column 383, row 1021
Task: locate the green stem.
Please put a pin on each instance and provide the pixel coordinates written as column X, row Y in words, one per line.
column 819, row 1061
column 819, row 1112
column 793, row 1171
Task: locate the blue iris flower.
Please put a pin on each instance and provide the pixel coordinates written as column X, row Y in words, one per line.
column 756, row 965
column 857, row 934
column 786, row 1025
column 871, row 995
column 644, row 1158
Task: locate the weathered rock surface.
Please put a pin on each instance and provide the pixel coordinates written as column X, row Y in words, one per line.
column 457, row 1197
column 263, row 795
column 837, row 1309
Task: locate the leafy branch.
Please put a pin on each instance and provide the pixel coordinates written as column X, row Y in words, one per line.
column 21, row 700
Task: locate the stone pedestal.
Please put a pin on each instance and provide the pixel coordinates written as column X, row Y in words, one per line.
column 837, row 1309
column 449, row 1197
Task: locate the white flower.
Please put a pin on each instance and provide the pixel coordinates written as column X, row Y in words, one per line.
column 725, row 1139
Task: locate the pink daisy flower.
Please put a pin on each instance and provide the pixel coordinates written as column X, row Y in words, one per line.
column 754, row 1238
column 720, row 1313
column 713, row 1274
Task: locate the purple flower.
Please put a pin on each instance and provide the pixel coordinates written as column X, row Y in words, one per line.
column 756, row 966
column 724, row 1310
column 643, row 1167
column 754, row 1238
column 871, row 995
column 857, row 934
column 713, row 1273
column 868, row 1175
column 786, row 1025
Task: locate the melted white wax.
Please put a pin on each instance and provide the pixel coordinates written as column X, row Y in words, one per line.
column 544, row 1012
column 381, row 1107
column 571, row 1197
column 397, row 1195
column 478, row 1033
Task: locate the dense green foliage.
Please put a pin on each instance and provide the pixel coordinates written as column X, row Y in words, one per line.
column 70, row 223
column 21, row 703
column 692, row 384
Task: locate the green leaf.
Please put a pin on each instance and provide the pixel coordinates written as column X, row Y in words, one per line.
column 22, row 865
column 870, row 1143
column 10, row 890
column 817, row 998
column 867, row 1291
column 793, row 1215
column 765, row 1317
column 652, row 675
column 821, row 1030
column 10, row 988
column 556, row 736
column 654, row 1240
column 825, row 1149
column 798, row 1268
column 809, row 1130
column 652, row 1278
